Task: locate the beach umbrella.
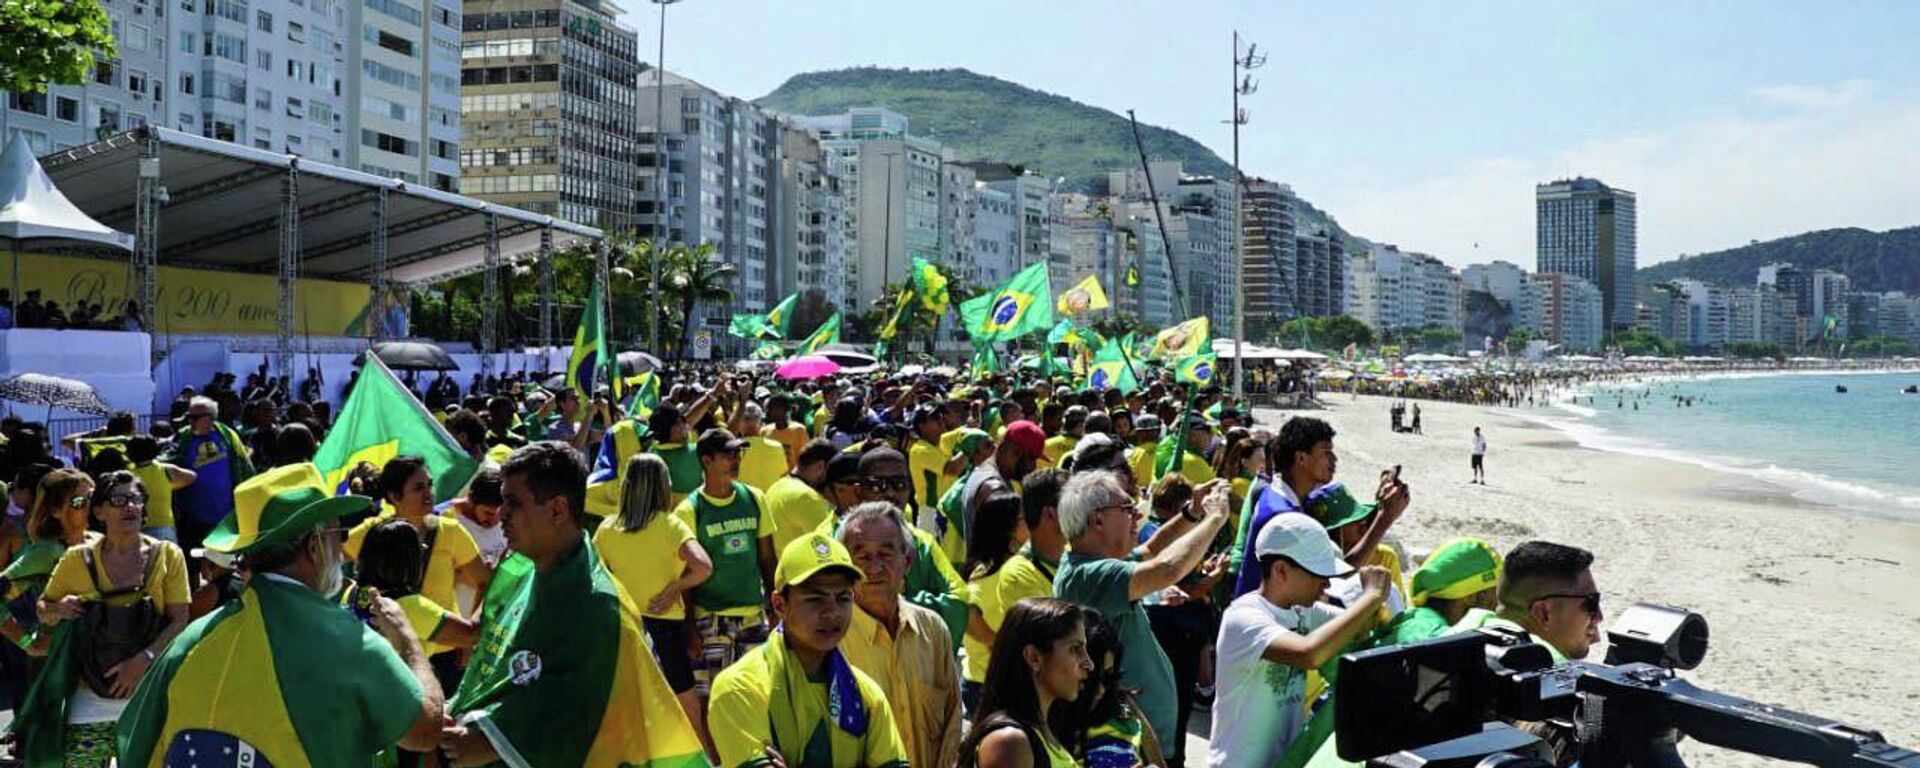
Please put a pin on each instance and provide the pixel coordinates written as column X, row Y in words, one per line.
column 807, row 367
column 636, row 363
column 414, row 356
column 53, row 392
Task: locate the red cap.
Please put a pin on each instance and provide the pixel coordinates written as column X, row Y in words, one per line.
column 1028, row 436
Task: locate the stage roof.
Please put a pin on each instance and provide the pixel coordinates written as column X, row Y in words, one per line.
column 224, row 207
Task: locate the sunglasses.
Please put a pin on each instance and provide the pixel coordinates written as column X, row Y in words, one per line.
column 1589, row 602
column 885, row 483
column 77, row 502
column 126, row 499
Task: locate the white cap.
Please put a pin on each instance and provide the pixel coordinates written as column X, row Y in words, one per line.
column 1298, row 537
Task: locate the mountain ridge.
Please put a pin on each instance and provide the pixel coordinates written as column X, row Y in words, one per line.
column 1872, row 261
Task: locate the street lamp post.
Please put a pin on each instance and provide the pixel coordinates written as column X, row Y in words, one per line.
column 662, row 211
column 1242, row 86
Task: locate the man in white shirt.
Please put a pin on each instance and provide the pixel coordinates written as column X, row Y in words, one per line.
column 1479, row 457
column 1271, row 637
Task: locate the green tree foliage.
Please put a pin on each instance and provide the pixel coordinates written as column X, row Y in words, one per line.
column 1882, row 346
column 1331, row 333
column 51, row 42
column 1646, row 343
column 1755, row 350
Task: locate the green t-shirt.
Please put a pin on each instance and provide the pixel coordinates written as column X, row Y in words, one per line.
column 730, row 530
column 1101, row 584
column 683, row 466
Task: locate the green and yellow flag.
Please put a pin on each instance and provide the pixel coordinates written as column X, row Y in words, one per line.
column 282, row 677
column 381, row 420
column 930, row 286
column 589, row 348
column 1184, row 340
column 827, row 333
column 1110, row 369
column 749, row 326
column 892, row 328
column 1197, row 369
column 1083, row 297
column 768, row 350
column 780, row 318
column 985, row 362
column 1020, row 307
column 562, row 674
column 646, row 395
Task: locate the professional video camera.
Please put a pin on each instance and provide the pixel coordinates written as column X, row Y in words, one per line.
column 1445, row 703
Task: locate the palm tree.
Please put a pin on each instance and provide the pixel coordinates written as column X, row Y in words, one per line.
column 689, row 276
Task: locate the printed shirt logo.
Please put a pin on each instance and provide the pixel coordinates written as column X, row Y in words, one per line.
column 736, row 544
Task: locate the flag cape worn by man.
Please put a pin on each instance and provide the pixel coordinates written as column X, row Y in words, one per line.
column 1020, row 307
column 827, row 333
column 381, row 420
column 1085, row 296
column 562, row 674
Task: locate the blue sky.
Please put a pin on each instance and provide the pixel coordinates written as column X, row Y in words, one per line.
column 1426, row 124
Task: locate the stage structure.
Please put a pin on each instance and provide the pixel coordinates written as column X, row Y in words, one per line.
column 201, row 203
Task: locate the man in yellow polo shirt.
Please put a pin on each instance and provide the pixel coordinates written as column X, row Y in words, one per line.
column 797, row 700
column 798, row 501
column 903, row 647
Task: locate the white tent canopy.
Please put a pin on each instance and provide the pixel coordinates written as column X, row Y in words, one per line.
column 33, row 210
column 1252, row 351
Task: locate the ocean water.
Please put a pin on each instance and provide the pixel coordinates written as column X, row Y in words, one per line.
column 1859, row 450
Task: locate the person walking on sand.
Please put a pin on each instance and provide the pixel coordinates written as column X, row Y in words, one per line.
column 1479, row 457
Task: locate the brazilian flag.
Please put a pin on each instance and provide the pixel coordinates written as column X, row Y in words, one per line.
column 779, row 321
column 748, row 326
column 827, row 333
column 646, row 395
column 1187, row 339
column 279, row 677
column 1197, row 369
column 589, row 347
column 381, row 420
column 1022, row 306
column 562, row 674
column 1110, row 370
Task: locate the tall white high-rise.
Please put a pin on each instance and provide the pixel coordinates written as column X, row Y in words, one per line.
column 1584, row 227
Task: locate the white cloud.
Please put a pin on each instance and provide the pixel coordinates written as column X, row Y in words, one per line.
column 1709, row 183
column 1816, row 97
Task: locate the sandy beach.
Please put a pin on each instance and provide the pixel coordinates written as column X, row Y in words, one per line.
column 1810, row 608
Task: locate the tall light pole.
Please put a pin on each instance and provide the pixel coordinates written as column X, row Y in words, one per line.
column 662, row 210
column 1243, row 85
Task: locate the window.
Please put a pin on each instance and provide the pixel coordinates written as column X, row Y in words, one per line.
column 35, row 103
column 296, row 107
column 186, row 43
column 263, row 59
column 186, row 83
column 103, row 72
column 231, row 10
column 36, row 141
column 263, row 20
column 137, row 37
column 137, row 82
column 389, row 143
column 66, row 109
column 230, row 47
column 297, row 70
column 397, row 10
column 262, row 99
column 109, row 115
column 296, row 32
column 392, row 42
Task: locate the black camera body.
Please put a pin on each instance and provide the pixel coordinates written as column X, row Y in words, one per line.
column 1444, row 702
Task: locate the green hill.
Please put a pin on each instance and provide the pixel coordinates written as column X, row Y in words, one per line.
column 986, row 118
column 1874, row 261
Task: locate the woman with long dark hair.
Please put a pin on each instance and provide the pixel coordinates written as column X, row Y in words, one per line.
column 1039, row 659
column 999, row 530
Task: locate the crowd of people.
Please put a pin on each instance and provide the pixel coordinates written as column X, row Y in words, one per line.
column 34, row 312
column 877, row 571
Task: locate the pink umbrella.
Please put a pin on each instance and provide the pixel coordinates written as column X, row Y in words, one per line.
column 807, row 367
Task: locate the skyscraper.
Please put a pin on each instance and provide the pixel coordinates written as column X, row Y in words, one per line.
column 547, row 91
column 1586, row 228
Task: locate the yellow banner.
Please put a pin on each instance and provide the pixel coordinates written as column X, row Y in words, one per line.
column 192, row 300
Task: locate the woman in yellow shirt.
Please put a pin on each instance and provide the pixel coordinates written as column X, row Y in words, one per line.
column 999, row 530
column 123, row 569
column 656, row 558
column 393, row 564
column 1039, row 660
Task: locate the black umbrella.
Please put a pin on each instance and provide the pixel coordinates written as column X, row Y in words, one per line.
column 414, row 356
column 53, row 392
column 636, row 363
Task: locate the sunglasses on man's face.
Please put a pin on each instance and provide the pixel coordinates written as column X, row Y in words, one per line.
column 1589, row 601
column 885, row 484
column 126, row 499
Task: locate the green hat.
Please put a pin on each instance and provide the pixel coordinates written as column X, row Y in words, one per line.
column 1334, row 507
column 1459, row 568
column 277, row 506
column 970, row 440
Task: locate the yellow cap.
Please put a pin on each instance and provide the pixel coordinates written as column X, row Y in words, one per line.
column 810, row 555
